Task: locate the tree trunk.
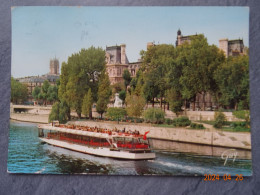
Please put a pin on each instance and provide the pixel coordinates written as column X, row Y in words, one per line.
column 161, row 102
column 153, row 102
column 194, row 103
column 90, row 114
column 164, row 106
column 168, row 106
column 203, row 101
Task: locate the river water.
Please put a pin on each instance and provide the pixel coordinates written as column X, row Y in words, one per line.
column 27, row 154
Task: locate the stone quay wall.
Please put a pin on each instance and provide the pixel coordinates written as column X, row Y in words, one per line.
column 213, row 138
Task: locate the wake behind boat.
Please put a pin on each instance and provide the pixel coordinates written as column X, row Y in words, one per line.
column 98, row 141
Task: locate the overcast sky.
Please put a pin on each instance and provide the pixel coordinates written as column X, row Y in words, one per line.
column 41, row 33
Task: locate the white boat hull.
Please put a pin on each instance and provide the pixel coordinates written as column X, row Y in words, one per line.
column 100, row 151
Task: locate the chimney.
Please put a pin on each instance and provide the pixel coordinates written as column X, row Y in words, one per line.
column 123, row 56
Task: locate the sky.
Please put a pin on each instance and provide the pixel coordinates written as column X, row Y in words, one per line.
column 43, row 33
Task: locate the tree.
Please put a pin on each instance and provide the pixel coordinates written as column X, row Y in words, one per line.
column 116, row 113
column 232, row 78
column 122, row 95
column 19, row 91
column 135, row 105
column 64, row 112
column 81, row 72
column 156, row 64
column 175, row 100
column 44, row 91
column 87, row 104
column 127, row 77
column 54, row 114
column 36, row 92
column 52, row 94
column 60, row 111
column 200, row 62
column 104, row 93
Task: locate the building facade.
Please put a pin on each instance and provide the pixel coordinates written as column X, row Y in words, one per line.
column 232, row 47
column 117, row 62
column 37, row 81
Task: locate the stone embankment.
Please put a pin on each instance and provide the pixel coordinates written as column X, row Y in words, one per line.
column 214, row 138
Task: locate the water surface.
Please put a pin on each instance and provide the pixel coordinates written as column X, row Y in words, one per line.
column 27, row 154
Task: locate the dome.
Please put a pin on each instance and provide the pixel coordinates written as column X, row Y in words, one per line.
column 179, row 32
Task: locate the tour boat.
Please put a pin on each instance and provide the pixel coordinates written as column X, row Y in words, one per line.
column 97, row 141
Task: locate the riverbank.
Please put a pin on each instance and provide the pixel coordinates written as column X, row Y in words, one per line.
column 240, row 140
column 32, row 118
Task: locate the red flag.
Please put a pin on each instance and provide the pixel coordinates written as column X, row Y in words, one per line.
column 145, row 134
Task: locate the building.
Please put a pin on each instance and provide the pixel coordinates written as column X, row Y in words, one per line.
column 232, row 47
column 32, row 81
column 182, row 39
column 117, row 62
column 54, row 67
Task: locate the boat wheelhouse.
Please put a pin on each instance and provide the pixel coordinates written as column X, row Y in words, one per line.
column 97, row 141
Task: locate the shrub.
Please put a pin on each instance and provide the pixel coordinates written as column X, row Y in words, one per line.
column 154, row 115
column 220, row 120
column 196, row 126
column 168, row 121
column 115, row 114
column 181, row 121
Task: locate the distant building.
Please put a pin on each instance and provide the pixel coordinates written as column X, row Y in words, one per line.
column 232, row 47
column 182, row 39
column 32, row 81
column 117, row 62
column 54, row 67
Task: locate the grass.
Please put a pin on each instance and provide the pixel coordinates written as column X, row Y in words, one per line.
column 237, row 129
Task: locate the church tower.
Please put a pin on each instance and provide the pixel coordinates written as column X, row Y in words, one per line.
column 54, row 66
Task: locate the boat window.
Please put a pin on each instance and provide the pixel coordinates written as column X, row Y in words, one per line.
column 143, row 141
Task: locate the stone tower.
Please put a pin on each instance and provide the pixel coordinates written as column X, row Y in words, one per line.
column 223, row 45
column 54, row 66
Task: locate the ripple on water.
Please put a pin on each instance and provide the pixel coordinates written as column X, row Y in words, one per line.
column 27, row 154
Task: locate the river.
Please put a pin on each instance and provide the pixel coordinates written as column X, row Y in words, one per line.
column 27, row 154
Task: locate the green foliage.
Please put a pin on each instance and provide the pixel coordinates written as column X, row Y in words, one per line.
column 60, row 111
column 232, row 78
column 220, row 120
column 19, row 91
column 154, row 115
column 104, row 93
column 181, row 121
column 196, row 126
column 87, row 104
column 135, row 105
column 64, row 112
column 200, row 60
column 122, row 95
column 36, row 92
column 243, row 114
column 127, row 77
column 52, row 94
column 81, row 72
column 116, row 113
column 157, row 61
column 117, row 87
column 175, row 100
column 54, row 114
column 168, row 121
